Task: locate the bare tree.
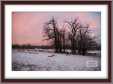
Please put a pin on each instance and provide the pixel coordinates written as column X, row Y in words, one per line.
column 84, row 40
column 73, row 26
column 62, row 39
column 52, row 32
column 78, row 36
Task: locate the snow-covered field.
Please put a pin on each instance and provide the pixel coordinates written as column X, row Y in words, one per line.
column 46, row 60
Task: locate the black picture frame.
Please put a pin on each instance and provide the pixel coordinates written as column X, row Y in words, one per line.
column 3, row 3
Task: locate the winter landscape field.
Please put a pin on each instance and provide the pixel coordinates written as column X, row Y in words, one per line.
column 47, row 60
column 56, row 41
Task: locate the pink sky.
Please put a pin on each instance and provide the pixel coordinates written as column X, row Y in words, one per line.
column 28, row 26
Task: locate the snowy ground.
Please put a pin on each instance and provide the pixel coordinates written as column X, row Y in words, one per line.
column 46, row 60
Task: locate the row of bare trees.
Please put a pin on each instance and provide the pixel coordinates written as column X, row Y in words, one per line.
column 77, row 38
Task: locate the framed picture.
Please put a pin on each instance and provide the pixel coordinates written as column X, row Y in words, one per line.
column 56, row 41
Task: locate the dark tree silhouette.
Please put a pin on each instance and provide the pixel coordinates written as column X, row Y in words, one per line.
column 74, row 27
column 85, row 41
column 52, row 32
column 62, row 39
column 78, row 36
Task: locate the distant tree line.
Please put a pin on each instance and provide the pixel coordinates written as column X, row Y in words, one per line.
column 28, row 46
column 77, row 39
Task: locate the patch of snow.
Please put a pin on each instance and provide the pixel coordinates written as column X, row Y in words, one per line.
column 34, row 59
